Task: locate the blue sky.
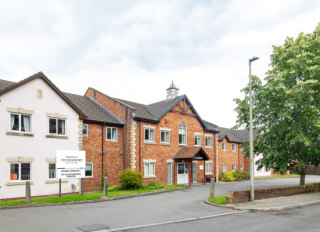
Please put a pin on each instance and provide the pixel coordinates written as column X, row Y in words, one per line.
column 134, row 49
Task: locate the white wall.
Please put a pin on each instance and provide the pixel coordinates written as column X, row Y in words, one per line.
column 38, row 147
column 261, row 172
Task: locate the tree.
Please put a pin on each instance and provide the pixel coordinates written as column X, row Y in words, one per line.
column 286, row 109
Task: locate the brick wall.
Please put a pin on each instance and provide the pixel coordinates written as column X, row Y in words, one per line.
column 244, row 196
column 112, row 160
column 229, row 156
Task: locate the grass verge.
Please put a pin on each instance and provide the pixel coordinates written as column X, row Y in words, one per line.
column 220, row 200
column 91, row 196
column 280, row 176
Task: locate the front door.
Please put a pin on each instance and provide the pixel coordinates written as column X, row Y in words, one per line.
column 194, row 172
column 183, row 171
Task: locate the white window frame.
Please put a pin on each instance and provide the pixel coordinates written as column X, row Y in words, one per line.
column 85, row 125
column 208, row 137
column 19, row 130
column 19, row 180
column 196, row 140
column 186, row 139
column 55, row 172
column 224, row 145
column 91, row 163
column 234, row 146
column 165, row 131
column 149, row 129
column 56, row 133
column 234, row 166
column 148, row 175
column 241, row 165
column 224, row 167
column 112, row 139
column 209, row 163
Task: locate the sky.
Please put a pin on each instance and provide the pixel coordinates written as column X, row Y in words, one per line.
column 133, row 50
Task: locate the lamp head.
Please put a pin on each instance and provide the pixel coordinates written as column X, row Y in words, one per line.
column 253, row 59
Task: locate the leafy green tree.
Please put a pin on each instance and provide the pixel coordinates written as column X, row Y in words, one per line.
column 286, row 109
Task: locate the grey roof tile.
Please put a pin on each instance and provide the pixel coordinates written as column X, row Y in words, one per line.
column 4, row 84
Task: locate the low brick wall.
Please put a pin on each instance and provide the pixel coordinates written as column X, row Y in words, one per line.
column 244, row 196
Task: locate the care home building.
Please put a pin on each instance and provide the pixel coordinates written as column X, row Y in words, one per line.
column 36, row 120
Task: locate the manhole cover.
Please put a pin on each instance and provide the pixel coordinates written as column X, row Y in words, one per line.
column 92, row 227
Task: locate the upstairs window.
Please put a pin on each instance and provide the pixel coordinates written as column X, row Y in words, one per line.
column 149, row 135
column 197, row 140
column 182, row 133
column 208, row 141
column 112, row 134
column 234, row 147
column 20, row 122
column 57, row 126
column 165, row 137
column 85, row 129
column 224, row 146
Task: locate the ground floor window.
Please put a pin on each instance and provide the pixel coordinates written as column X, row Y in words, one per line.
column 20, row 171
column 234, row 167
column 89, row 169
column 208, row 167
column 149, row 169
column 224, row 167
column 52, row 171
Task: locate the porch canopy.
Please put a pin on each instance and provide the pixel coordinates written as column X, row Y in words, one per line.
column 191, row 153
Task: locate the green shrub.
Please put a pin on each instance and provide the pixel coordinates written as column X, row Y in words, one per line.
column 233, row 176
column 130, row 179
column 152, row 183
column 113, row 188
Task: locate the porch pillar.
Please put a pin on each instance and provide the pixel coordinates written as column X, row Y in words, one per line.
column 204, row 172
column 190, row 173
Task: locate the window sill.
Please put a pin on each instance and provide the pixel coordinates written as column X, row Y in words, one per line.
column 88, row 177
column 54, row 181
column 208, row 147
column 19, row 134
column 182, row 145
column 197, row 145
column 56, row 137
column 14, row 183
column 166, row 144
column 145, row 142
column 208, row 173
column 112, row 140
column 146, row 177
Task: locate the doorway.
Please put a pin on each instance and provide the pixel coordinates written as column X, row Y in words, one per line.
column 183, row 171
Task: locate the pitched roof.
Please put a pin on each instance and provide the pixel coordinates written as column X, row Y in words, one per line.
column 8, row 86
column 225, row 132
column 244, row 134
column 191, row 153
column 93, row 110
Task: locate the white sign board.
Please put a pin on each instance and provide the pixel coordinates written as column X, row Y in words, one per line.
column 70, row 164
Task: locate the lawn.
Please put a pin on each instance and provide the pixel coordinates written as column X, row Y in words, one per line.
column 280, row 176
column 220, row 200
column 92, row 196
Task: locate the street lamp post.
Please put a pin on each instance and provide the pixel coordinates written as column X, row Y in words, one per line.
column 251, row 134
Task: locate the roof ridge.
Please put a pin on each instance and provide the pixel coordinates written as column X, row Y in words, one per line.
column 104, row 108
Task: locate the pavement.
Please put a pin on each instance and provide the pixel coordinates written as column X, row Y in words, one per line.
column 279, row 203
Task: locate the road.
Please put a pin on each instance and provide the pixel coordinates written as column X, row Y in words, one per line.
column 178, row 205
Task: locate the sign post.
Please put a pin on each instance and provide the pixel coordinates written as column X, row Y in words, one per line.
column 70, row 165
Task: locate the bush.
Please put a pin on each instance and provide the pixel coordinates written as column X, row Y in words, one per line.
column 130, row 179
column 233, row 176
column 152, row 183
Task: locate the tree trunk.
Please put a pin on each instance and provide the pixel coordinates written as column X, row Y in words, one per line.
column 302, row 179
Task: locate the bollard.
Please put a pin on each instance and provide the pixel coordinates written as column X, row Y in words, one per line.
column 28, row 193
column 105, row 187
column 212, row 188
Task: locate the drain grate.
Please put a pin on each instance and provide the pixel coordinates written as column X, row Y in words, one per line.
column 93, row 227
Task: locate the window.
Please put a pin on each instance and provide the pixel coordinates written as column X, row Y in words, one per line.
column 234, row 166
column 20, row 122
column 241, row 166
column 208, row 167
column 197, row 140
column 112, row 134
column 20, row 171
column 208, row 141
column 165, row 137
column 52, row 170
column 85, row 129
column 149, row 135
column 182, row 133
column 149, row 169
column 224, row 167
column 234, row 147
column 224, row 146
column 89, row 169
column 57, row 126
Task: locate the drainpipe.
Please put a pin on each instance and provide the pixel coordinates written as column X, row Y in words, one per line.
column 140, row 145
column 102, row 148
